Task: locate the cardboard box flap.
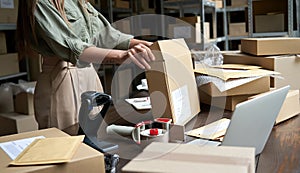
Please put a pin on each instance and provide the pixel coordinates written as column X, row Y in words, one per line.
column 226, row 74
column 166, row 49
column 237, row 66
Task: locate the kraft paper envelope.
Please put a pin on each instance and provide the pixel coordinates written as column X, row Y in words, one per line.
column 49, row 151
column 226, row 74
column 212, row 131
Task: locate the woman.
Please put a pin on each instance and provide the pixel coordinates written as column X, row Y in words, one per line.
column 70, row 35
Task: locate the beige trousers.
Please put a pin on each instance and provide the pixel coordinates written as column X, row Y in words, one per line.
column 58, row 91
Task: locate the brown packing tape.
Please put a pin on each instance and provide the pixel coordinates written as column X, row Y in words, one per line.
column 226, row 160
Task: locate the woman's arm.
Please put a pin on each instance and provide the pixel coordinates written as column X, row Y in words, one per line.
column 139, row 53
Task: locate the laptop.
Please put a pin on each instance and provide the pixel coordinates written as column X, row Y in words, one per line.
column 252, row 121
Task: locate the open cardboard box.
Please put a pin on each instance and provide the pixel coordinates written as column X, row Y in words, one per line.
column 243, row 80
column 171, row 157
column 171, row 82
column 257, row 86
column 287, row 65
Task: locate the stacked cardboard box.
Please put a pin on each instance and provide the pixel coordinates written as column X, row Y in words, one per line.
column 170, row 157
column 23, row 103
column 211, row 94
column 16, row 109
column 238, row 3
column 9, row 64
column 269, row 22
column 290, row 107
column 9, row 11
column 3, row 49
column 269, row 16
column 277, row 54
column 287, row 65
column 237, row 29
column 270, row 46
column 219, row 3
column 12, row 123
column 189, row 28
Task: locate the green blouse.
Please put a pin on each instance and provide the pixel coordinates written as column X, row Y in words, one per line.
column 87, row 27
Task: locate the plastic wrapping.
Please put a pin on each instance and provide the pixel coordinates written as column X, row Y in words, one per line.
column 8, row 90
column 210, row 57
column 23, row 86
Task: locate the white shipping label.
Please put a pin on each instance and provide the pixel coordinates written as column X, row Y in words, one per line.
column 7, row 4
column 14, row 148
column 183, row 32
column 181, row 104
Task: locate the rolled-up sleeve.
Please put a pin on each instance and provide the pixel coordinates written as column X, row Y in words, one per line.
column 104, row 35
column 55, row 36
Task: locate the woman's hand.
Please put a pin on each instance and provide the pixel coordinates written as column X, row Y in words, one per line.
column 141, row 55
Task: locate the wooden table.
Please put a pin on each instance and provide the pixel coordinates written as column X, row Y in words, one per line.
column 281, row 153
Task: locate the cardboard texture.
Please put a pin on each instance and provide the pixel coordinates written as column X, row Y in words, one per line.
column 257, row 86
column 189, row 29
column 11, row 123
column 3, row 48
column 213, row 131
column 269, row 23
column 270, row 46
column 7, row 100
column 227, row 74
column 237, row 29
column 290, row 107
column 239, row 3
column 171, row 82
column 9, row 11
column 219, row 3
column 170, row 157
column 226, row 102
column 264, row 7
column 287, row 65
column 85, row 158
column 9, row 64
column 23, row 103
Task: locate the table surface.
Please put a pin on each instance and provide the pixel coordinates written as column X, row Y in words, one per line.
column 281, row 153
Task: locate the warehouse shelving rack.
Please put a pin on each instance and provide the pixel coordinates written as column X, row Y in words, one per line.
column 12, row 27
column 291, row 32
column 201, row 7
column 197, row 7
